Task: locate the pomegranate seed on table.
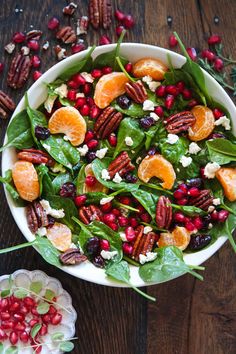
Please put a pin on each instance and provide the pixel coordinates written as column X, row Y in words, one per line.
column 119, row 30
column 128, row 67
column 107, row 70
column 214, row 39
column 193, row 192
column 85, row 110
column 13, row 338
column 223, row 215
column 161, row 91
column 33, row 322
column 87, row 88
column 104, row 245
column 190, row 226
column 96, row 73
column 89, row 135
column 90, row 181
column 172, row 90
column 36, row 75
column 106, row 207
column 187, row 94
column 35, row 60
column 172, row 41
column 217, row 113
column 24, row 310
column 73, row 84
column 112, row 139
column 218, row 64
column 92, row 144
column 104, row 40
column 127, row 248
column 33, row 45
column 207, row 54
column 169, row 101
column 182, row 201
column 123, row 221
column 18, row 37
column 120, row 16
column 94, row 112
column 159, row 111
column 180, row 85
column 53, row 23
column 128, row 21
column 77, row 47
column 192, row 53
column 80, row 102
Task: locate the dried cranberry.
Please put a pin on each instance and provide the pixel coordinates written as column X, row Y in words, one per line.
column 217, row 136
column 51, row 221
column 90, row 156
column 130, row 178
column 198, row 242
column 93, row 246
column 123, row 101
column 41, row 133
column 195, row 182
column 68, row 190
column 98, row 261
column 146, row 122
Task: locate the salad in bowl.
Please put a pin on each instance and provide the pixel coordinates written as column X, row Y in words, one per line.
column 119, row 165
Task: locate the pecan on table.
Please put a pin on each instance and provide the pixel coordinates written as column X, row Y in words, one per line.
column 69, row 9
column 136, row 91
column 179, row 122
column 34, row 34
column 144, row 243
column 35, row 156
column 100, row 13
column 72, row 256
column 19, row 71
column 6, row 105
column 90, row 213
column 36, row 216
column 163, row 213
column 122, row 165
column 60, row 52
column 66, row 35
column 203, row 200
column 107, row 122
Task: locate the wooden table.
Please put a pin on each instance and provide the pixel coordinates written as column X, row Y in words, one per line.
column 189, row 317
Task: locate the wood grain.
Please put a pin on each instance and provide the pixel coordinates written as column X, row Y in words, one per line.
column 190, row 317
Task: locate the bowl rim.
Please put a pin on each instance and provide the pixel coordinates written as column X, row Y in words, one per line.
column 204, row 254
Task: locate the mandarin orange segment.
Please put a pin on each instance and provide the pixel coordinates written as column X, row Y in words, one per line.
column 97, row 187
column 157, row 166
column 60, row 236
column 68, row 121
column 26, row 180
column 108, row 88
column 204, row 125
column 227, row 178
column 150, row 67
column 179, row 237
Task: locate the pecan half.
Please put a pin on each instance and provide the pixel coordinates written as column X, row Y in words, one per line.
column 136, row 91
column 60, row 52
column 203, row 200
column 100, row 13
column 82, row 25
column 35, row 156
column 19, row 71
column 34, row 34
column 107, row 122
column 66, row 35
column 122, row 164
column 36, row 216
column 6, row 105
column 72, row 256
column 144, row 243
column 163, row 213
column 69, row 9
column 90, row 213
column 179, row 122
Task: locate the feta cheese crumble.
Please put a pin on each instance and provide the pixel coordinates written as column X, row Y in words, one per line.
column 147, row 78
column 61, row 90
column 194, row 148
column 105, row 175
column 56, row 213
column 101, row 153
column 172, row 139
column 108, row 255
column 123, row 236
column 154, row 116
column 117, row 179
column 216, row 201
column 106, row 200
column 129, row 141
column 210, row 169
column 211, row 209
column 224, row 121
column 186, row 161
column 42, row 231
column 150, row 256
column 83, row 150
column 153, row 85
column 148, row 105
column 147, row 229
column 87, row 77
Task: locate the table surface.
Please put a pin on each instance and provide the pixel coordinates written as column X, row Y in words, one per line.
column 189, row 317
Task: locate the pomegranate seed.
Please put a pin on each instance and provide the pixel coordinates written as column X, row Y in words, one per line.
column 96, row 73
column 56, row 319
column 214, row 39
column 43, row 330
column 120, row 16
column 94, row 112
column 36, row 75
column 179, row 194
column 79, row 79
column 207, row 54
column 85, row 110
column 130, row 234
column 80, row 200
column 33, row 322
column 182, row 201
column 89, row 135
column 107, row 70
column 18, row 317
column 194, row 192
column 190, row 226
column 53, row 23
column 46, row 318
column 119, row 30
column 125, row 200
column 128, row 67
column 179, row 217
column 161, row 91
column 71, row 95
column 24, row 310
column 87, row 89
column 133, row 222
column 172, row 41
column 104, row 40
column 77, row 47
column 5, row 316
column 192, row 53
column 90, row 101
column 187, row 94
column 14, row 306
column 3, row 335
column 223, row 215
column 24, row 337
column 38, row 350
column 72, row 84
column 140, row 208
column 218, row 64
column 20, row 327
column 92, row 144
column 112, row 139
column 127, row 248
column 7, row 324
column 1, row 67
column 159, row 111
column 214, row 215
column 104, row 245
column 52, row 310
column 123, row 221
column 33, row 45
column 180, row 85
column 90, row 181
column 172, row 90
column 13, row 338
column 217, row 113
column 169, row 101
column 192, row 103
column 34, row 311
column 35, row 61
column 106, row 207
column 113, row 226
column 145, row 217
column 116, row 212
column 128, row 21
column 80, row 102
column 4, row 304
column 18, row 37
column 109, row 218
column 198, row 223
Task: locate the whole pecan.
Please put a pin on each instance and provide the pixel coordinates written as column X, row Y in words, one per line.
column 122, row 165
column 34, row 34
column 60, row 52
column 66, row 35
column 179, row 122
column 69, row 9
column 136, row 91
column 72, row 256
column 100, row 13
column 6, row 105
column 203, row 200
column 90, row 213
column 163, row 213
column 19, row 71
column 36, row 216
column 35, row 156
column 107, row 122
column 82, row 25
column 144, row 242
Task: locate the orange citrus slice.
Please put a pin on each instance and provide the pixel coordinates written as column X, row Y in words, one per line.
column 60, row 236
column 179, row 237
column 150, row 67
column 26, row 180
column 98, row 187
column 227, row 178
column 157, row 166
column 108, row 88
column 68, row 120
column 204, row 125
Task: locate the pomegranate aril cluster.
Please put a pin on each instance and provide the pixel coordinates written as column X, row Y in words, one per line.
column 125, row 21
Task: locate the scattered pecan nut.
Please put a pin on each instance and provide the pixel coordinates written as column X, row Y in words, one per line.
column 100, row 13
column 35, row 156
column 69, row 9
column 179, row 122
column 82, row 25
column 6, row 105
column 203, row 200
column 72, row 256
column 34, row 34
column 122, row 165
column 19, row 71
column 90, row 213
column 36, row 216
column 107, row 122
column 144, row 242
column 60, row 52
column 66, row 35
column 163, row 213
column 10, row 47
column 136, row 91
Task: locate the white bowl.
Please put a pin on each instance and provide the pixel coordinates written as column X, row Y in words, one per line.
column 37, row 94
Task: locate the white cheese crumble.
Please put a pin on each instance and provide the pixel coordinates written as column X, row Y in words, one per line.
column 148, row 105
column 210, row 226
column 80, row 94
column 83, row 150
column 216, row 201
column 210, row 169
column 172, row 139
column 138, row 160
column 46, row 45
column 186, row 161
column 88, row 77
column 108, row 255
column 147, row 229
column 147, row 78
column 106, row 200
column 42, row 231
column 153, row 85
column 154, row 116
column 224, row 121
column 129, row 141
column 56, row 213
column 150, row 256
column 194, row 148
column 123, row 236
column 117, row 179
column 48, row 104
column 211, row 209
column 61, row 91
column 66, row 138
column 105, row 175
column 101, row 153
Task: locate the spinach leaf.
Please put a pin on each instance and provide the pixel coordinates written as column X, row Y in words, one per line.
column 174, row 152
column 19, row 132
column 128, row 128
column 221, row 151
column 49, row 253
column 59, row 180
column 80, row 180
column 135, row 110
column 36, row 118
column 168, row 265
column 189, row 209
column 45, row 182
column 147, row 200
column 184, row 173
column 8, row 182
